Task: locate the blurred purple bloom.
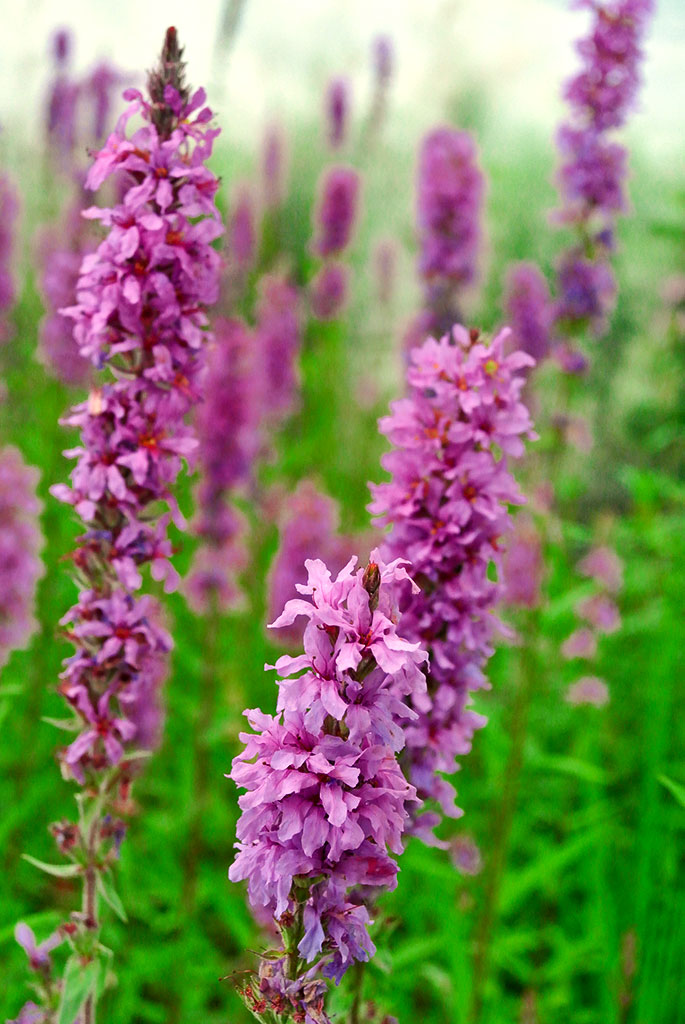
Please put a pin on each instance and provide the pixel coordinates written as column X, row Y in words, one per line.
column 328, row 290
column 274, row 167
column 385, row 269
column 447, row 503
column 528, row 309
column 336, row 105
column 242, row 229
column 587, row 291
column 9, row 214
column 228, row 431
column 601, row 612
column 606, row 86
column 588, row 690
column 603, row 565
column 277, row 343
column 20, row 544
column 308, row 525
column 582, row 643
column 383, row 59
column 60, row 250
column 465, row 855
column 336, row 210
column 449, row 198
column 523, row 565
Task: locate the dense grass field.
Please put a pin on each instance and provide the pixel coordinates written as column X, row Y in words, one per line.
column 576, row 914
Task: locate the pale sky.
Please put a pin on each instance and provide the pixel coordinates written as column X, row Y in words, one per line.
column 520, row 50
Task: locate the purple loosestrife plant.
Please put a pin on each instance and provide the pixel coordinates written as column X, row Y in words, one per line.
column 20, row 544
column 141, row 316
column 325, row 800
column 447, row 503
column 228, row 430
column 336, row 110
column 60, row 252
column 278, row 339
column 592, row 170
column 336, row 210
column 450, row 189
column 9, row 214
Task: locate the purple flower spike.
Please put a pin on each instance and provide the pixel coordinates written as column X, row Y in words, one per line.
column 60, row 252
column 592, row 171
column 274, row 167
column 278, row 340
column 227, row 423
column 383, row 59
column 140, row 306
column 9, row 214
column 20, row 545
column 242, row 230
column 447, row 504
column 328, row 291
column 336, row 210
column 337, row 103
column 325, row 799
column 528, row 309
column 449, row 198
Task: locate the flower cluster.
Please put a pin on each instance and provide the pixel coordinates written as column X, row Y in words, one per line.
column 20, row 544
column 308, row 524
column 227, row 426
column 140, row 311
column 325, row 797
column 450, row 190
column 593, row 167
column 9, row 212
column 447, row 505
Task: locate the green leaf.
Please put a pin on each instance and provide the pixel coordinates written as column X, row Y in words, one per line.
column 58, row 870
column 67, row 724
column 110, row 895
column 78, row 984
column 674, row 788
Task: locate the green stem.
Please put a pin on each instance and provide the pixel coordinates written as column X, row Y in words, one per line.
column 357, row 990
column 503, row 816
column 201, row 755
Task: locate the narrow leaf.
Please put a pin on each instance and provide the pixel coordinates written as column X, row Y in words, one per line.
column 58, row 870
column 674, row 788
column 110, row 895
column 78, row 984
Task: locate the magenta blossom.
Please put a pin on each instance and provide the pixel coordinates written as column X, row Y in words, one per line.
column 447, row 505
column 325, row 799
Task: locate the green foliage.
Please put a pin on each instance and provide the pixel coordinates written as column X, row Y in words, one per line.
column 589, row 923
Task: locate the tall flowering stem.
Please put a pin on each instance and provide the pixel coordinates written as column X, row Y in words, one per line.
column 141, row 316
column 326, row 800
column 20, row 544
column 447, row 505
column 450, row 188
column 9, row 214
column 592, row 170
